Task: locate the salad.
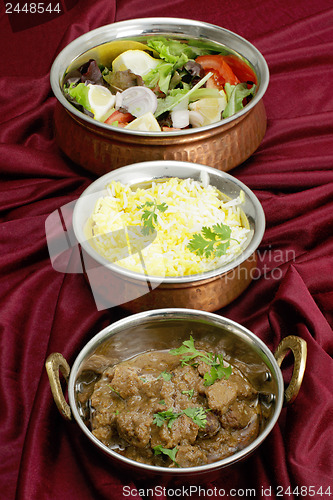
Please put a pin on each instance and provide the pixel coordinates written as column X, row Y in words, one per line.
column 163, row 85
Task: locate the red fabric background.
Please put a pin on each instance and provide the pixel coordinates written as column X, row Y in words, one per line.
column 42, row 456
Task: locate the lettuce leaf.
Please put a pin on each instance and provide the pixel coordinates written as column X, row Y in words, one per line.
column 176, row 96
column 172, row 51
column 80, row 94
column 205, row 92
column 161, row 76
column 235, row 95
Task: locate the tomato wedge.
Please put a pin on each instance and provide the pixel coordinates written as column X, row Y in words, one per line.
column 222, row 72
column 242, row 70
column 118, row 116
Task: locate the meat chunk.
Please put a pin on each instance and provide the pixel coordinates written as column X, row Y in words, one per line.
column 221, row 395
column 104, row 434
column 239, row 414
column 224, row 392
column 212, row 426
column 190, row 456
column 187, row 377
column 126, row 381
column 105, row 404
column 182, row 432
column 134, row 428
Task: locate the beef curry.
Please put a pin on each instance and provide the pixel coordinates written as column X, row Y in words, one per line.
column 178, row 408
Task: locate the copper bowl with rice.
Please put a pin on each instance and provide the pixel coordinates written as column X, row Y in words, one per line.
column 99, row 147
column 209, row 289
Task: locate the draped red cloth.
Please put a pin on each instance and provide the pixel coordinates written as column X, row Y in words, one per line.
column 42, row 311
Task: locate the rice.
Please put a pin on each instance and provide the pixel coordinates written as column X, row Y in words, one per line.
column 116, row 226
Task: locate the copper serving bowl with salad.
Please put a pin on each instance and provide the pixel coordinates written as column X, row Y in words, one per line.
column 168, row 234
column 159, row 89
column 176, row 393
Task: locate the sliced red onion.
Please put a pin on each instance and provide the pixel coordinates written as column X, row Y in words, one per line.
column 139, row 100
column 196, row 119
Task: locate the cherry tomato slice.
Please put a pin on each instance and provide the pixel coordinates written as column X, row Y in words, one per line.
column 222, row 72
column 118, row 116
column 242, row 70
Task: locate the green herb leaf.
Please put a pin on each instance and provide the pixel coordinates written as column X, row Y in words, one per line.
column 158, row 450
column 198, row 415
column 217, row 372
column 162, row 402
column 114, row 390
column 162, row 207
column 213, row 240
column 188, row 352
column 149, row 217
column 165, row 416
column 165, row 375
column 190, row 393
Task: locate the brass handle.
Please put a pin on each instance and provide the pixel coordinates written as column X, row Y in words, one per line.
column 298, row 347
column 53, row 364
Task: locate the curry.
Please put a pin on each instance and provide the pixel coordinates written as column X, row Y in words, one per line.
column 181, row 408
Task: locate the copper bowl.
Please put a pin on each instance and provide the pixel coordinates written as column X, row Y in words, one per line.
column 100, row 148
column 163, row 330
column 113, row 285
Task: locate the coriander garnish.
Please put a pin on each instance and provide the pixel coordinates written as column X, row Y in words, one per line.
column 149, row 216
column 217, row 372
column 158, row 450
column 165, row 375
column 189, row 352
column 198, row 415
column 211, row 241
column 114, row 390
column 165, row 416
column 190, row 393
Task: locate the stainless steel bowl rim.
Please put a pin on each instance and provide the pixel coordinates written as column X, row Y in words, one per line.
column 177, row 313
column 100, row 183
column 137, row 27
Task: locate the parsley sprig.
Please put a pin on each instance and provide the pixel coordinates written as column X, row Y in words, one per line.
column 213, row 240
column 189, row 352
column 149, row 215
